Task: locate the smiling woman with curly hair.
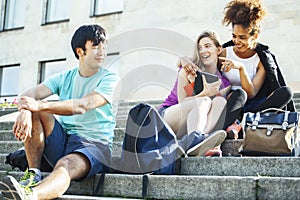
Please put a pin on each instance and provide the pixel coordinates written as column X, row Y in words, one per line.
column 249, row 65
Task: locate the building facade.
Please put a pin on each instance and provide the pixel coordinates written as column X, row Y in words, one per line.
column 146, row 37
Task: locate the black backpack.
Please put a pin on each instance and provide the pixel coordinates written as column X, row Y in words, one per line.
column 17, row 159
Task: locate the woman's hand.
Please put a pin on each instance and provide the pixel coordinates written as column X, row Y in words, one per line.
column 188, row 66
column 228, row 64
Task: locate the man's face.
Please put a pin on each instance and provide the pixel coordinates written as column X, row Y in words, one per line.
column 93, row 56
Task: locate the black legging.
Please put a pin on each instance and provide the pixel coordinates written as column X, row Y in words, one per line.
column 278, row 99
column 236, row 101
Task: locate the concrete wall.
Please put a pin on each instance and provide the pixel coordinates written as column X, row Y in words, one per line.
column 149, row 35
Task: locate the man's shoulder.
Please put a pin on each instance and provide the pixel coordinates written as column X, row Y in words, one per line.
column 109, row 73
column 69, row 72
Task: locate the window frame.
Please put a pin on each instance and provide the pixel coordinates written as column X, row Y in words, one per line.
column 46, row 21
column 3, row 17
column 1, row 82
column 42, row 70
column 94, row 14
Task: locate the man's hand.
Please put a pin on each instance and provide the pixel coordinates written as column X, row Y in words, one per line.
column 29, row 103
column 23, row 125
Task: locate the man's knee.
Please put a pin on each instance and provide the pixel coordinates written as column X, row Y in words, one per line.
column 45, row 119
column 76, row 165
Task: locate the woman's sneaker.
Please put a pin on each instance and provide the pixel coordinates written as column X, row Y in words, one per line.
column 30, row 179
column 211, row 140
column 214, row 152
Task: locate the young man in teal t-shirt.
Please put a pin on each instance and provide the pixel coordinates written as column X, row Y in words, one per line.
column 78, row 143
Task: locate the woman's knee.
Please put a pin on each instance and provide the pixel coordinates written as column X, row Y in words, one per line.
column 203, row 100
column 285, row 92
column 219, row 101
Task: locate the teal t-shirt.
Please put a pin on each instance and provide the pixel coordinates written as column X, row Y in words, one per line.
column 97, row 124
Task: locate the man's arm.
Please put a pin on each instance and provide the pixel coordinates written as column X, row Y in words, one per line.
column 23, row 124
column 67, row 107
column 39, row 92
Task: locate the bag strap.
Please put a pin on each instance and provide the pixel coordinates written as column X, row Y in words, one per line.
column 273, row 110
column 285, row 120
column 138, row 132
column 255, row 121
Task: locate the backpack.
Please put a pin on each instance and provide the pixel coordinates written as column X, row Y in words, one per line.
column 150, row 145
column 17, row 159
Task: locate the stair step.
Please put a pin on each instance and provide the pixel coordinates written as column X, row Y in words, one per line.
column 6, row 125
column 228, row 166
column 241, row 166
column 81, row 197
column 9, row 146
column 185, row 186
column 7, row 135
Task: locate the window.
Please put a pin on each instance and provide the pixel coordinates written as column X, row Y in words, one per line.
column 102, row 7
column 9, row 76
column 56, row 11
column 49, row 68
column 13, row 14
column 111, row 62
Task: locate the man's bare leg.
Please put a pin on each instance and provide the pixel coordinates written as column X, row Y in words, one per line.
column 42, row 126
column 71, row 167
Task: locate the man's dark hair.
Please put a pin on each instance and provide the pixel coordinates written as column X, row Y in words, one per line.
column 94, row 33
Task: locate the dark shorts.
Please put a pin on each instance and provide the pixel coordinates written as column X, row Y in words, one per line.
column 59, row 144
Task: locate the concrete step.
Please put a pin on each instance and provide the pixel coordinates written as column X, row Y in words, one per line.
column 184, row 186
column 296, row 96
column 6, row 125
column 7, row 135
column 9, row 146
column 81, row 197
column 241, row 166
column 228, row 166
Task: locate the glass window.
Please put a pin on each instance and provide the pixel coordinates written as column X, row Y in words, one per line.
column 111, row 62
column 57, row 10
column 14, row 14
column 107, row 6
column 9, row 80
column 50, row 68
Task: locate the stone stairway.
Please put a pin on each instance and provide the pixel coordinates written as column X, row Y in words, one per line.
column 228, row 177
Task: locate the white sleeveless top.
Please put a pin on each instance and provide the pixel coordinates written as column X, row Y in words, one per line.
column 250, row 64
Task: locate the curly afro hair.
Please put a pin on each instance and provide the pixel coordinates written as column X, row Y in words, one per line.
column 247, row 13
